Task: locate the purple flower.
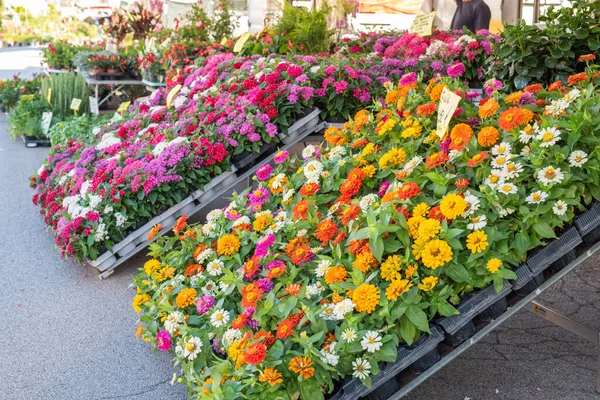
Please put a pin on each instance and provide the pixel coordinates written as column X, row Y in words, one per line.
column 383, row 188
column 456, row 70
column 527, row 98
column 437, row 65
column 265, row 285
column 264, row 172
column 204, row 304
column 215, row 346
column 275, row 264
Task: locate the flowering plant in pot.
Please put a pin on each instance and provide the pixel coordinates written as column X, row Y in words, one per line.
column 151, row 67
column 97, row 63
column 113, row 64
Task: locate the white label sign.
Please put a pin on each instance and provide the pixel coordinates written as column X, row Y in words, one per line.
column 46, row 119
column 94, row 106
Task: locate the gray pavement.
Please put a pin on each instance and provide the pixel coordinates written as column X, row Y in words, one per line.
column 64, row 334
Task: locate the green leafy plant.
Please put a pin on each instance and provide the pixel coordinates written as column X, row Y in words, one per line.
column 66, row 87
column 307, row 30
column 26, row 117
column 81, row 128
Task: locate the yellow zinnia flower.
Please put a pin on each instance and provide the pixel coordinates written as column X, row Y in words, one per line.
column 138, row 300
column 428, row 229
column 228, row 245
column 420, row 210
column 150, row 266
column 428, row 283
column 390, row 268
column 452, row 205
column 413, row 225
column 493, row 265
column 397, row 288
column 186, row 297
column 477, row 241
column 366, row 298
column 436, row 253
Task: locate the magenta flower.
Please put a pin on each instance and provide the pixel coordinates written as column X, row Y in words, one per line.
column 408, row 79
column 275, row 264
column 163, row 338
column 264, row 172
column 258, row 197
column 281, row 156
column 262, row 247
column 383, row 188
column 456, row 70
column 204, row 304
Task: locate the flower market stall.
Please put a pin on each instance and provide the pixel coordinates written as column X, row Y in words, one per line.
column 384, row 240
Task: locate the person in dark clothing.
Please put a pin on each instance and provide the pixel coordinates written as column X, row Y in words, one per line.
column 474, row 14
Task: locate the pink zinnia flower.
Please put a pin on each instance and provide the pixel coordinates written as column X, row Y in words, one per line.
column 408, row 79
column 264, row 172
column 163, row 338
column 262, row 247
column 281, row 156
column 258, row 197
column 456, row 70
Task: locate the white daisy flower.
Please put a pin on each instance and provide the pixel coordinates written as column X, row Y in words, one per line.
column 314, row 290
column 204, row 255
column 322, row 268
column 505, row 211
column 329, row 357
column 473, row 204
column 367, row 201
column 341, row 162
column 349, row 335
column 278, row 181
column 336, row 152
column 361, row 368
column 231, row 335
column 560, row 208
column 495, row 178
column 302, row 233
column 572, row 95
column 308, row 151
column 477, row 223
column 192, row 347
column 209, row 288
column 537, row 197
column 507, row 188
column 412, row 164
column 501, row 149
column 328, row 313
column 501, row 160
column 371, row 342
column 548, row 137
column 214, row 215
column 209, row 229
column 525, row 151
column 512, row 170
column 173, row 321
column 219, row 318
column 556, row 107
column 108, row 209
column 215, row 268
column 550, row 175
column 312, row 171
column 288, row 195
column 342, row 308
column 577, row 158
column 526, row 134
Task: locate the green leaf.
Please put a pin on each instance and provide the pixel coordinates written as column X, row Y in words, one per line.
column 407, row 330
column 387, row 352
column 418, row 318
column 457, row 272
column 581, row 33
column 310, row 390
column 507, row 274
column 544, row 230
column 531, row 61
column 377, row 248
column 521, row 242
column 446, row 309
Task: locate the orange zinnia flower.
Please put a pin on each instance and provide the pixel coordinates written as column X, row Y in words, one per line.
column 180, row 224
column 488, row 108
column 575, row 79
column 300, row 210
column 293, row 289
column 460, row 136
column 154, row 231
column 510, row 119
column 335, row 137
column 488, row 136
column 302, row 366
column 554, row 86
column 461, row 183
column 436, row 159
column 339, row 238
column 192, row 270
column 270, row 376
column 326, row 230
column 255, row 353
column 426, row 109
column 587, row 57
column 309, row 189
column 251, row 295
column 477, row 158
column 336, row 274
column 298, row 251
column 358, row 246
column 533, row 88
column 436, row 213
column 408, row 190
column 285, row 329
column 349, row 213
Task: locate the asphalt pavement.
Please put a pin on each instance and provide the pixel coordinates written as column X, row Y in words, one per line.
column 64, row 334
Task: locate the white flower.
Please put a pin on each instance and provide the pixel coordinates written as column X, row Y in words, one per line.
column 173, row 320
column 101, row 233
column 537, row 197
column 314, row 290
column 501, row 160
column 525, row 151
column 94, row 200
column 108, row 139
column 337, row 151
column 224, row 286
column 349, row 335
column 341, row 162
column 209, row 288
column 526, row 134
column 121, row 219
column 322, row 268
column 308, row 151
column 192, row 348
column 556, row 107
column 560, row 208
column 209, row 228
column 278, row 181
column 505, row 211
column 159, row 148
column 371, row 342
column 242, row 221
column 502, row 148
column 550, row 175
column 282, row 217
column 342, row 308
column 302, row 233
column 41, row 169
column 204, row 255
column 495, row 178
column 548, row 137
column 214, row 215
column 473, row 204
column 313, row 170
column 333, row 209
column 329, row 357
column 572, row 95
column 507, row 188
column 288, row 195
column 215, row 268
column 219, row 318
column 63, row 180
column 108, row 209
column 361, row 368
column 477, row 223
column 328, row 312
column 577, row 158
column 412, row 164
column 512, row 170
column 231, row 335
column 367, row 201
column 315, row 69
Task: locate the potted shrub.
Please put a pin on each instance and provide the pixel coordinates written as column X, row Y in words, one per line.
column 97, row 64
column 113, row 64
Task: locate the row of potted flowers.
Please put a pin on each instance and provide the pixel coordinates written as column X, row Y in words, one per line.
column 338, row 256
column 93, row 196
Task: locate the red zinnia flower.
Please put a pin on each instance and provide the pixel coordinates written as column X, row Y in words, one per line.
column 408, row 190
column 309, row 189
column 255, row 353
column 300, row 210
column 326, row 230
column 285, row 329
column 461, row 183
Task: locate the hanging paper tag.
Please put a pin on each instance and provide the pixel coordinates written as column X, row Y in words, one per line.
column 75, row 104
column 123, row 107
column 94, row 109
column 49, row 96
column 423, row 24
column 223, row 41
column 46, row 119
column 448, row 104
column 241, row 41
column 172, row 94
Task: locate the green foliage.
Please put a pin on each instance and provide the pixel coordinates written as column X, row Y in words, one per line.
column 26, row 117
column 12, row 90
column 80, row 128
column 307, row 30
column 528, row 54
column 66, row 87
